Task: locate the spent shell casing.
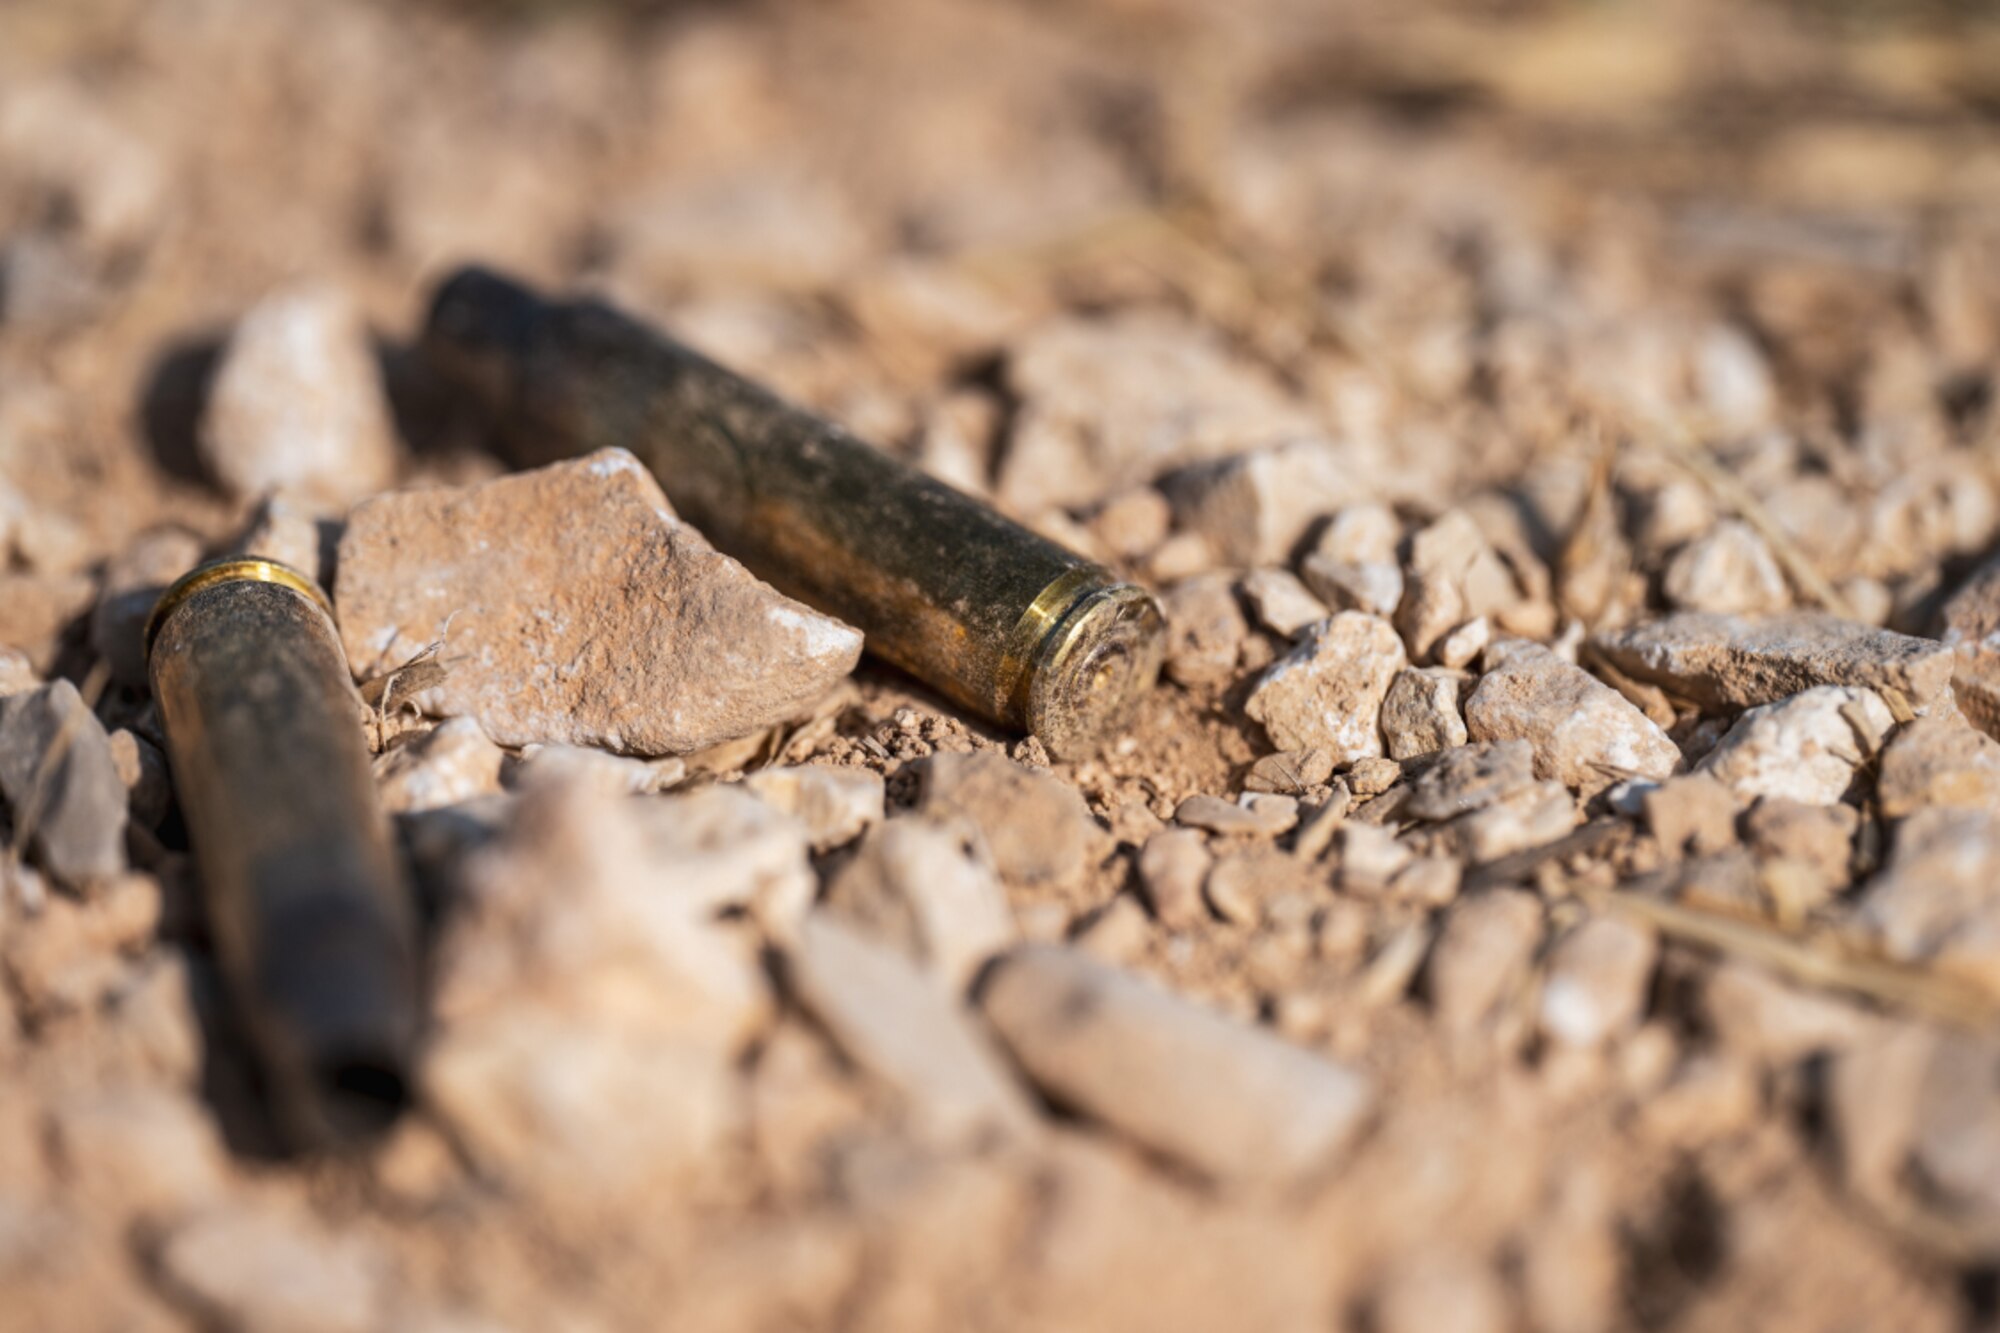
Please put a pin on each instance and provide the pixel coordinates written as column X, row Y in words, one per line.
column 1003, row 621
column 310, row 917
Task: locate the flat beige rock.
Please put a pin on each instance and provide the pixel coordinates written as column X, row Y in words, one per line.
column 580, row 611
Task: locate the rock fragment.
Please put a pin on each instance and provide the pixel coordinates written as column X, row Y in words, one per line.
column 1596, row 983
column 1256, row 815
column 1132, row 523
column 295, row 530
column 1037, row 828
column 1353, row 565
column 1735, row 662
column 142, row 767
column 1233, row 1102
column 1972, row 632
column 1326, row 694
column 1694, row 814
column 1933, row 902
column 1110, row 403
column 1806, row 748
column 1370, row 858
column 1729, row 570
column 1938, row 762
column 1372, row 777
column 586, row 1041
column 17, row 673
column 1420, row 714
column 835, row 804
column 36, row 609
column 1471, row 777
column 906, row 1029
column 1955, row 1149
column 77, row 800
column 928, row 888
column 628, row 631
column 1535, row 816
column 453, row 763
column 1205, row 629
column 1584, row 733
column 1458, row 649
column 1769, row 1019
column 1453, row 575
column 1441, row 1287
column 1816, row 840
column 1482, row 955
column 581, row 766
column 133, row 583
column 1172, row 866
column 1289, row 772
column 1256, row 507
column 139, row 1147
column 1281, row 603
column 261, row 1267
column 69, row 153
column 297, row 402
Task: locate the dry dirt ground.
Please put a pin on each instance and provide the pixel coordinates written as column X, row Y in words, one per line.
column 1570, row 967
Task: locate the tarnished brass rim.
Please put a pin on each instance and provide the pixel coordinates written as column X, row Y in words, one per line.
column 1031, row 632
column 1094, row 668
column 241, row 569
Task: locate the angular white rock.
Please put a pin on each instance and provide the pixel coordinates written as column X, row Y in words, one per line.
column 1806, row 748
column 1326, row 694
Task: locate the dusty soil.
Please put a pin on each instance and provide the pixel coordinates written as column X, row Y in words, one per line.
column 1610, row 311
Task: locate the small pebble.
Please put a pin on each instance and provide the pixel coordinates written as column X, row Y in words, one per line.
column 80, row 800
column 250, row 1266
column 902, row 1026
column 297, row 402
column 1231, row 1101
column 1205, row 629
column 1036, row 826
column 835, row 804
column 1280, row 602
column 1420, row 714
column 1937, row 762
column 1326, row 694
column 927, row 887
column 1806, row 748
column 453, row 763
column 1257, row 816
column 1172, row 866
column 1372, row 777
column 1482, row 955
column 1596, row 981
column 1730, row 571
column 1585, row 735
column 1289, row 772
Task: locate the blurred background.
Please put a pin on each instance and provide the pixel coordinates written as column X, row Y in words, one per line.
column 1523, row 250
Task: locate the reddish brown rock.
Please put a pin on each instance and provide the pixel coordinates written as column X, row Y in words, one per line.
column 580, row 611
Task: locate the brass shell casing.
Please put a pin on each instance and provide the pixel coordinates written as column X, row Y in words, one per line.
column 1003, row 621
column 307, row 907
